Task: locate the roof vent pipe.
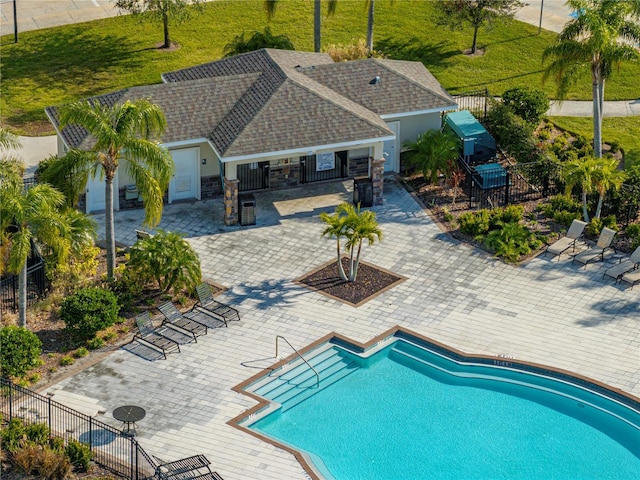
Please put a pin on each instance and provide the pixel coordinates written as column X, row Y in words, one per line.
column 375, row 81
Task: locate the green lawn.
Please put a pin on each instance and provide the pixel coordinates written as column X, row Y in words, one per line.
column 624, row 130
column 53, row 66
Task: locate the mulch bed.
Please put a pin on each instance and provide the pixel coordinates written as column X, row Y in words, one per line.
column 370, row 282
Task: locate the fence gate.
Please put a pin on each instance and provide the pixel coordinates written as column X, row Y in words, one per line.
column 253, row 176
column 324, row 166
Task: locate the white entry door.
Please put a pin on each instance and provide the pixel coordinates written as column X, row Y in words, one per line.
column 390, row 149
column 95, row 201
column 185, row 183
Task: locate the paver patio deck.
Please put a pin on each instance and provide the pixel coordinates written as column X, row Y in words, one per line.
column 546, row 311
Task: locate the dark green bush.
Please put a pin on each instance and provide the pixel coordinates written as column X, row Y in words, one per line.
column 633, row 233
column 12, row 435
column 79, row 455
column 528, row 103
column 566, row 218
column 20, row 351
column 38, row 433
column 511, row 240
column 127, row 287
column 88, row 311
column 596, row 225
column 513, row 134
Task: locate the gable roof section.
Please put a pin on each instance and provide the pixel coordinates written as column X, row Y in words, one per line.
column 403, row 87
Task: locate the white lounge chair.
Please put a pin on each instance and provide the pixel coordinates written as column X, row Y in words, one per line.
column 631, row 277
column 617, row 271
column 574, row 234
column 596, row 253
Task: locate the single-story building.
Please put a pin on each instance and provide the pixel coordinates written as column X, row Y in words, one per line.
column 273, row 119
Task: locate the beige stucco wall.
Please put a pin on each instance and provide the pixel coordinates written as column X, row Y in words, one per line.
column 412, row 126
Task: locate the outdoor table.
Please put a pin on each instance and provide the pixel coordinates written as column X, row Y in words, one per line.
column 129, row 415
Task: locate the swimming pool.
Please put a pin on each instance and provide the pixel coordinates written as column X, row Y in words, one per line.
column 409, row 408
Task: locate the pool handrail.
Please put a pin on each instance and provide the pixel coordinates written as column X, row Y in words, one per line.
column 278, row 337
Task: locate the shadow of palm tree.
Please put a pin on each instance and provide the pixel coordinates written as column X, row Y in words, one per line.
column 266, row 294
column 608, row 311
column 431, row 54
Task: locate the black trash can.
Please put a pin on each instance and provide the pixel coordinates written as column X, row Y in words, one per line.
column 363, row 191
column 247, row 209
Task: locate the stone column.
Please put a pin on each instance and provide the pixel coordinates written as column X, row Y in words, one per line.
column 231, row 201
column 377, row 179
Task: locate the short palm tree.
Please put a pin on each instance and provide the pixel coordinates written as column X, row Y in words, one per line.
column 8, row 140
column 362, row 226
column 434, row 152
column 607, row 177
column 356, row 227
column 336, row 227
column 126, row 131
column 601, row 37
column 30, row 216
column 580, row 172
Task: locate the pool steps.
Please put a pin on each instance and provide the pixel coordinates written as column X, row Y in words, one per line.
column 292, row 385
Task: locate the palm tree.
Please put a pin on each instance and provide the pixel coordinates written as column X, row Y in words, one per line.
column 607, row 177
column 434, row 152
column 370, row 5
column 8, row 140
column 336, row 227
column 602, row 36
column 126, row 131
column 270, row 7
column 361, row 226
column 581, row 172
column 28, row 216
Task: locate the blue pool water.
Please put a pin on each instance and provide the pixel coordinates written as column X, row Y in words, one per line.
column 423, row 416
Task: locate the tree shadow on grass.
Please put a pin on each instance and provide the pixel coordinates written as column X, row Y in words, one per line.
column 70, row 56
column 431, row 54
column 486, row 83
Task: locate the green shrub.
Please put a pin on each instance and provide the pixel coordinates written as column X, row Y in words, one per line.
column 475, row 223
column 20, row 351
column 596, row 225
column 511, row 240
column 66, row 360
column 565, row 218
column 528, row 103
column 88, row 311
column 166, row 259
column 95, row 343
column 79, row 455
column 12, row 435
column 37, row 433
column 126, row 286
column 81, row 352
column 510, row 214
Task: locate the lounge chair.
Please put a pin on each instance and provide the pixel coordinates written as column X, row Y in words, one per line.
column 617, row 271
column 211, row 305
column 147, row 334
column 631, row 277
column 596, row 253
column 173, row 318
column 574, row 234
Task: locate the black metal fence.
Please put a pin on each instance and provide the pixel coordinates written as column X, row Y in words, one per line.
column 311, row 170
column 477, row 102
column 253, row 176
column 493, row 185
column 37, row 284
column 113, row 450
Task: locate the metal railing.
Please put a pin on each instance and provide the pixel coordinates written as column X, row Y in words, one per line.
column 280, row 337
column 113, row 450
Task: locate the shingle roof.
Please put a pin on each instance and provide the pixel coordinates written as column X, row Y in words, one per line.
column 277, row 100
column 402, row 87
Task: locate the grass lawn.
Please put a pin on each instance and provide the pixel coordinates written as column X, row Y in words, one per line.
column 57, row 65
column 624, row 130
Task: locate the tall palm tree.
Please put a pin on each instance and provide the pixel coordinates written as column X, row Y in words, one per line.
column 28, row 216
column 607, row 177
column 370, row 5
column 600, row 38
column 127, row 131
column 270, row 7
